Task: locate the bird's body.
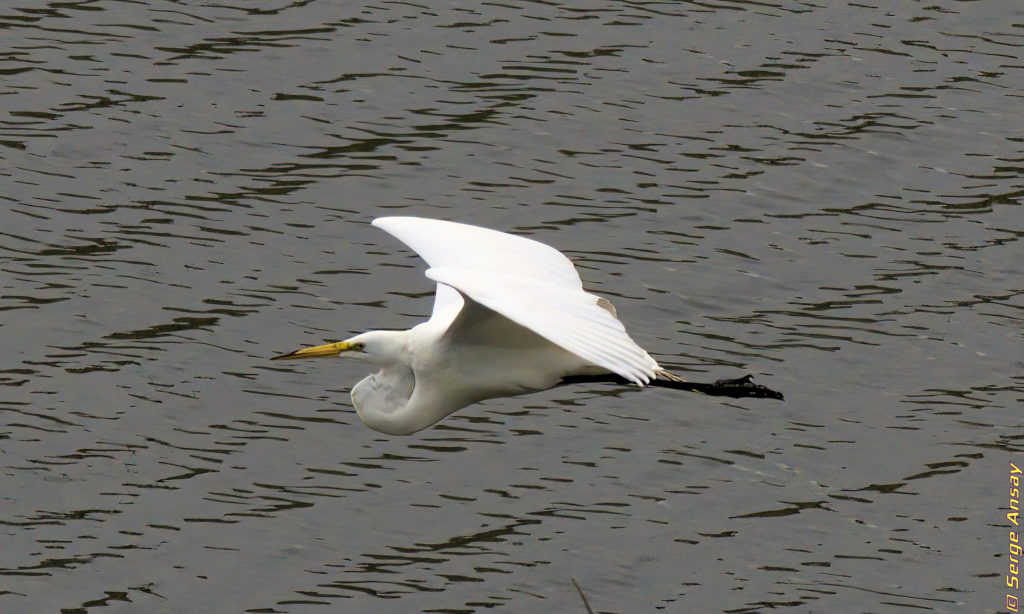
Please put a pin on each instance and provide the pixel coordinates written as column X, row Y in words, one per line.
column 494, row 357
column 510, row 317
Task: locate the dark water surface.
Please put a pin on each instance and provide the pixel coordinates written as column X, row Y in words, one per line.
column 824, row 194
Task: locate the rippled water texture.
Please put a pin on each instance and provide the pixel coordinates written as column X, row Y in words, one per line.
column 824, row 194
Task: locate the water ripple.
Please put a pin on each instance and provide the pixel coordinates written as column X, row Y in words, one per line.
column 824, row 195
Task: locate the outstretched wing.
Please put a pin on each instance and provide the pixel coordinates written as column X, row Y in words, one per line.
column 530, row 283
column 451, row 244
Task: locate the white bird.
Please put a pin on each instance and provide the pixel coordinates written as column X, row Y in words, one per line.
column 510, row 317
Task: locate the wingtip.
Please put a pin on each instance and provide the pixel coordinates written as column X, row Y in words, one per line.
column 665, row 375
column 385, row 219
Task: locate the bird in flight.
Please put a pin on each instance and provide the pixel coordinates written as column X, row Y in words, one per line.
column 510, row 317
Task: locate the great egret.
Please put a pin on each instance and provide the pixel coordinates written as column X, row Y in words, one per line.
column 510, row 317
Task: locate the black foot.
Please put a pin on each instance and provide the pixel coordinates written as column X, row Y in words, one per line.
column 741, row 387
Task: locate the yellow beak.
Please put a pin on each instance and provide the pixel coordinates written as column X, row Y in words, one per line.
column 319, row 351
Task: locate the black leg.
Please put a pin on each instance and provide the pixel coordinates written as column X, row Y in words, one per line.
column 738, row 388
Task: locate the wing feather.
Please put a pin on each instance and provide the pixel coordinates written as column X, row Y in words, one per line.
column 451, row 244
column 567, row 317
